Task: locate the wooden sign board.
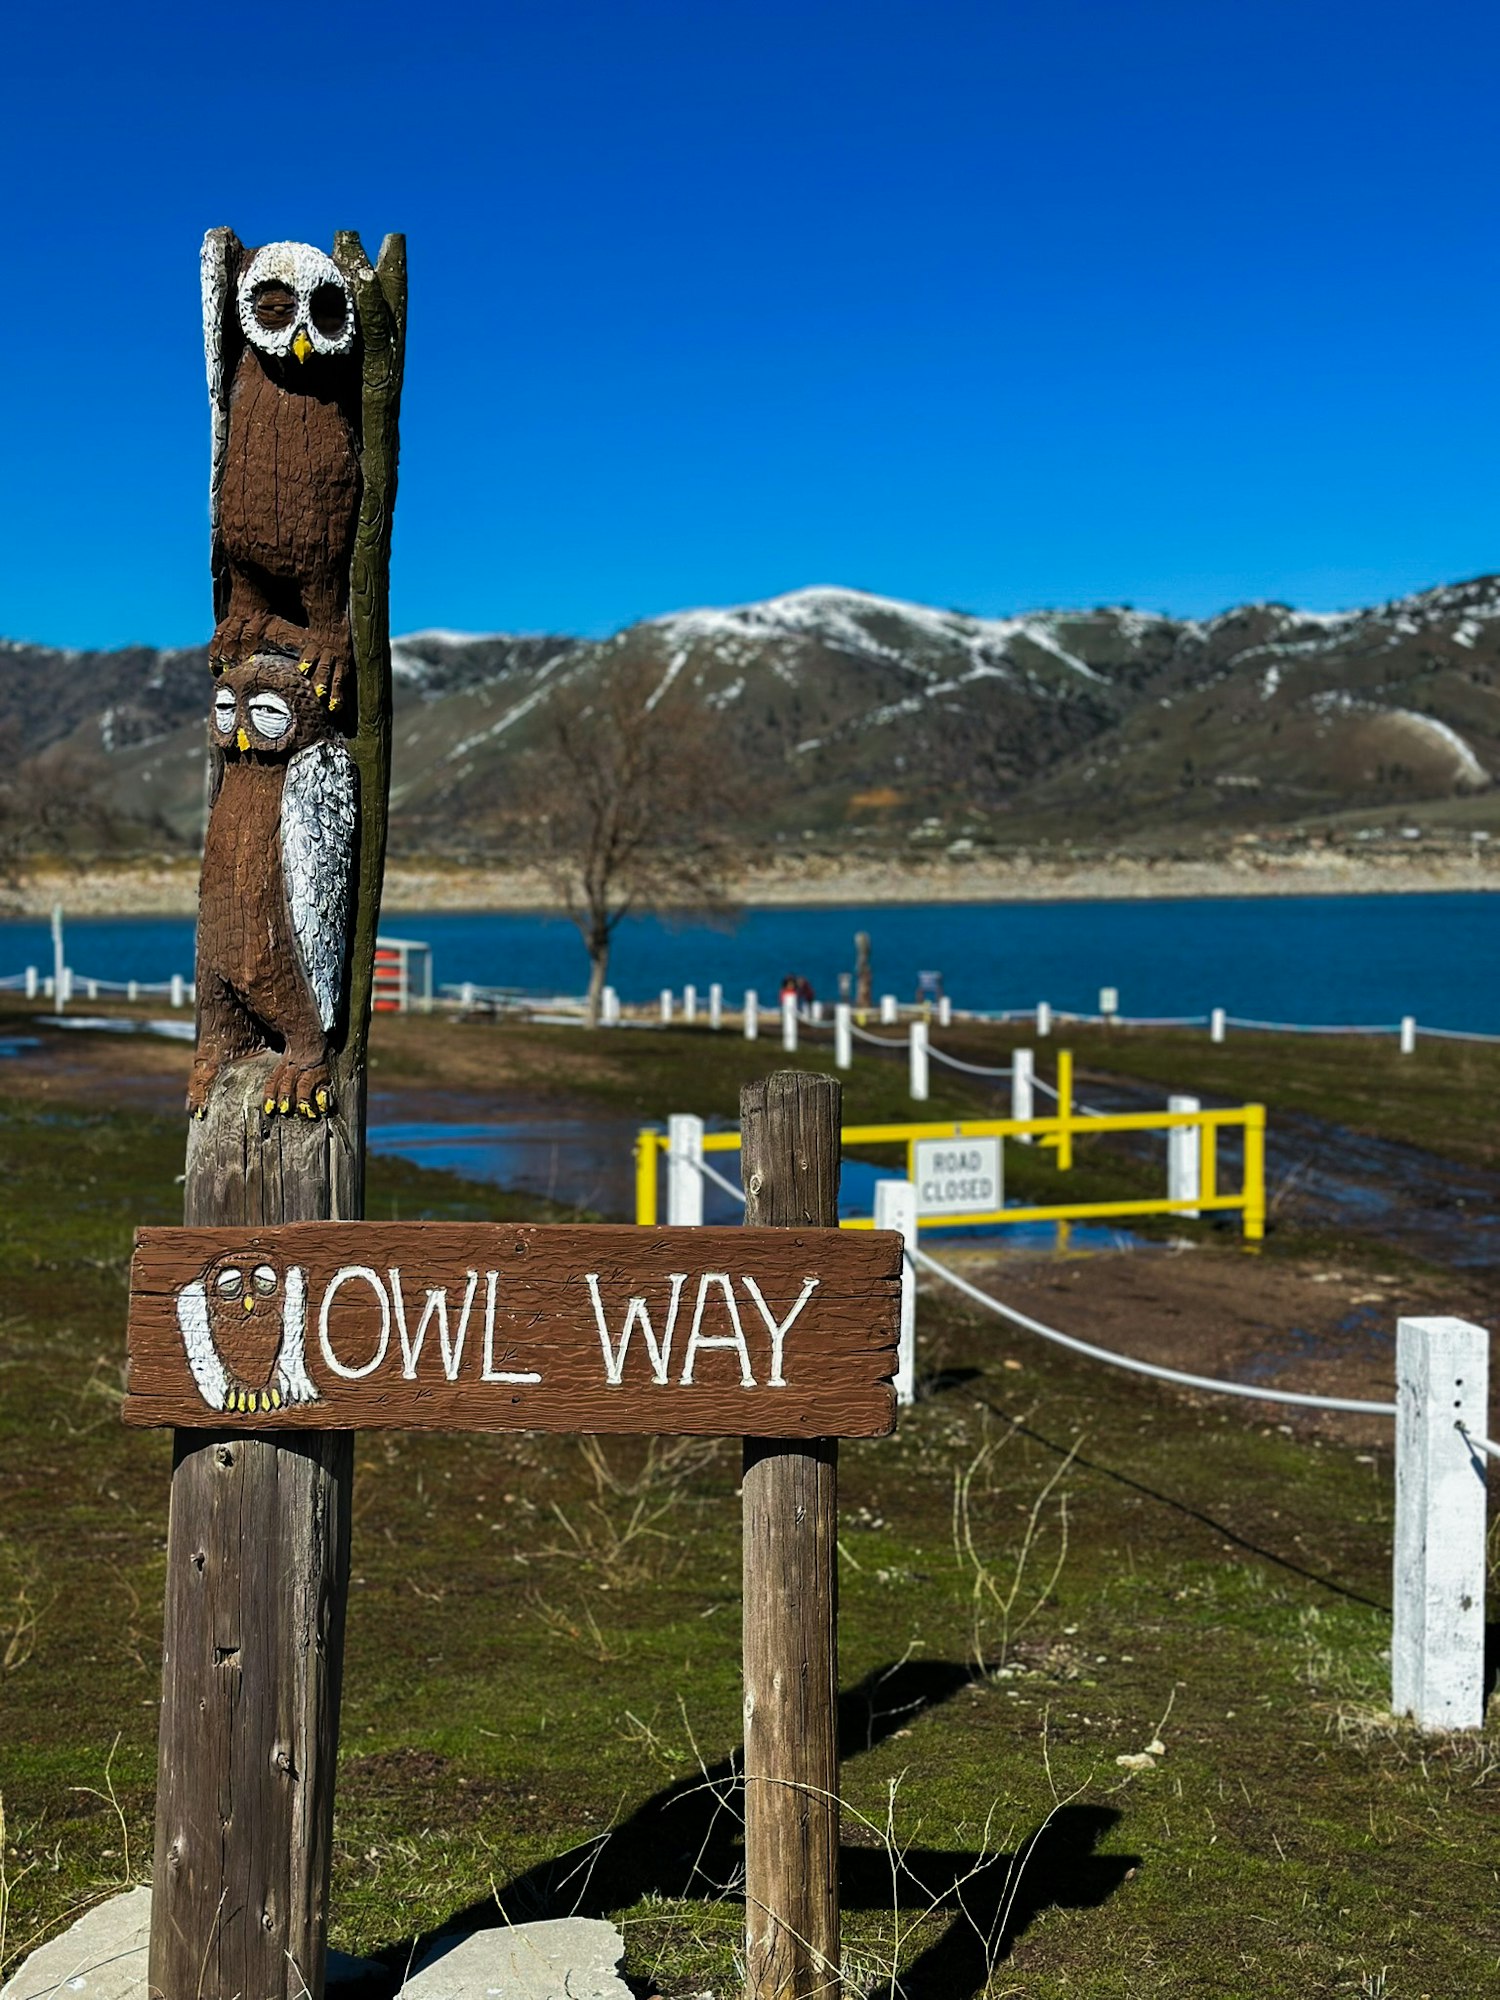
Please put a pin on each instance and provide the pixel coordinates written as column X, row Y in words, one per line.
column 540, row 1327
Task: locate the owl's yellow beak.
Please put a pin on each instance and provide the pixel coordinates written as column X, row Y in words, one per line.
column 248, row 1304
column 244, row 742
column 302, row 346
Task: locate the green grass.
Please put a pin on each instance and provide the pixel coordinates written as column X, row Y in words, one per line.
column 543, row 1651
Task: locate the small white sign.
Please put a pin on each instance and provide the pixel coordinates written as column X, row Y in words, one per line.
column 1109, row 1000
column 957, row 1176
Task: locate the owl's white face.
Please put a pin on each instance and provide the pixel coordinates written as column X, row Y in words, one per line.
column 294, row 300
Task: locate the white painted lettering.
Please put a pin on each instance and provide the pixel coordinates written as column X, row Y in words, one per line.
column 638, row 1313
column 778, row 1330
column 435, row 1308
column 697, row 1338
column 341, row 1278
column 490, row 1373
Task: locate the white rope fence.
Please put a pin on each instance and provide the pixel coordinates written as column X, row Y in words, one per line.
column 1211, row 1382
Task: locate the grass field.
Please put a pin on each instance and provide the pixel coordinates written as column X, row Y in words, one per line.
column 1049, row 1569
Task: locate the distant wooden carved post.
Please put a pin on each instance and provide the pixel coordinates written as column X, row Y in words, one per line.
column 790, row 1124
column 304, row 355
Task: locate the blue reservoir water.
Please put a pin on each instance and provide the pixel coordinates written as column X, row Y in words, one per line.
column 1315, row 959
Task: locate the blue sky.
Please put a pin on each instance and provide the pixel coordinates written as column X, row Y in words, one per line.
column 995, row 306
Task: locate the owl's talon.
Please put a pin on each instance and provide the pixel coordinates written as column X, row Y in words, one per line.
column 270, row 1105
column 284, row 1106
column 275, row 1399
column 322, row 1100
column 304, row 666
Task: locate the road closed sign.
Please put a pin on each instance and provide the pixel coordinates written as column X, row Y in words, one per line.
column 957, row 1176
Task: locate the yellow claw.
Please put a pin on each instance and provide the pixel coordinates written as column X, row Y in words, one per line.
column 304, row 666
column 333, row 702
column 275, row 1399
column 322, row 1100
column 319, row 690
column 270, row 1104
column 285, row 1105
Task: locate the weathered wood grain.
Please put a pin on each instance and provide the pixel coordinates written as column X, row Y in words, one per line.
column 790, row 1125
column 479, row 1326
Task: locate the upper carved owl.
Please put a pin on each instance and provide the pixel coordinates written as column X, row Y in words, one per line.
column 293, row 299
column 265, row 710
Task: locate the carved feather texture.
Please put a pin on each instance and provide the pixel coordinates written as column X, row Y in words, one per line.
column 215, row 276
column 319, row 812
column 197, row 1338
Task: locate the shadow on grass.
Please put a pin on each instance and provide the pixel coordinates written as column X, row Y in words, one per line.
column 685, row 1842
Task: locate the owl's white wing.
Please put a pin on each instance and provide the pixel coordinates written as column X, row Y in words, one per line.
column 319, row 814
column 198, row 1339
column 216, row 269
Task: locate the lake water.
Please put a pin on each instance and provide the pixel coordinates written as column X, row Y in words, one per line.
column 1315, row 959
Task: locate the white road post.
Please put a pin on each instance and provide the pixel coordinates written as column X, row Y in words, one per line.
column 889, row 1012
column 59, row 980
column 1437, row 1632
column 752, row 1014
column 945, row 1011
column 843, row 1036
column 690, row 1004
column 917, row 1053
column 684, row 1182
column 716, row 1005
column 1184, row 1157
column 179, row 991
column 133, row 989
column 896, row 1208
column 666, row 1006
column 91, row 989
column 33, row 982
column 816, row 1010
column 789, row 1023
column 1043, row 1018
column 609, row 1007
column 1216, row 1025
column 1408, row 1034
column 1022, row 1094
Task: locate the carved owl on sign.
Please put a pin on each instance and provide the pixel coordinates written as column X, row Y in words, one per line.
column 244, row 1327
column 278, row 863
column 281, row 339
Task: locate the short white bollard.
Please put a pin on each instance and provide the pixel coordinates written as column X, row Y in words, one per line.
column 896, row 1208
column 789, row 1023
column 91, row 989
column 1408, row 1034
column 609, row 1007
column 917, row 1062
column 945, row 1011
column 1184, row 1157
column 179, row 994
column 1216, row 1025
column 1043, row 1018
column 67, row 983
column 716, row 1005
column 684, row 1182
column 690, row 1004
column 32, row 982
column 47, row 988
column 889, row 1013
column 1022, row 1092
column 466, row 995
column 132, row 989
column 752, row 1014
column 816, row 1011
column 1437, row 1631
column 843, row 1036
column 666, row 1006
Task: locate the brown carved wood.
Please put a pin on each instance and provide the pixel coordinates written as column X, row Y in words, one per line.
column 790, row 1124
column 257, row 1551
column 444, row 1326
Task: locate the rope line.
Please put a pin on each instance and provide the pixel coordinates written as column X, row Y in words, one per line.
column 880, row 1041
column 1477, row 1443
column 956, row 1062
column 1151, row 1368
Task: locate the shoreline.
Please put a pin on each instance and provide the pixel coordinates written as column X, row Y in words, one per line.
column 170, row 887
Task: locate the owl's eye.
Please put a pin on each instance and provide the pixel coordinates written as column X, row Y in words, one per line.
column 270, row 715
column 229, row 1284
column 224, row 711
column 274, row 305
column 265, row 1279
column 329, row 310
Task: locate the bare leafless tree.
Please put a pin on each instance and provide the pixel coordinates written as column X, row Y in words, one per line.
column 629, row 791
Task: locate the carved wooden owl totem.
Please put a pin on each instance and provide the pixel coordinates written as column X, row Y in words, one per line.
column 280, row 335
column 278, row 862
column 244, row 1327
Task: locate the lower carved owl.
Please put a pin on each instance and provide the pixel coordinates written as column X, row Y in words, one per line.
column 278, row 861
column 244, row 1328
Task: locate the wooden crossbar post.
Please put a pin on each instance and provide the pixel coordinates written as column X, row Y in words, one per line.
column 790, row 1160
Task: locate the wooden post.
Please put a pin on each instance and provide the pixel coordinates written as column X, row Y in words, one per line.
column 258, row 1539
column 790, row 1125
column 1437, row 1631
column 1255, row 1173
column 1064, row 1109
